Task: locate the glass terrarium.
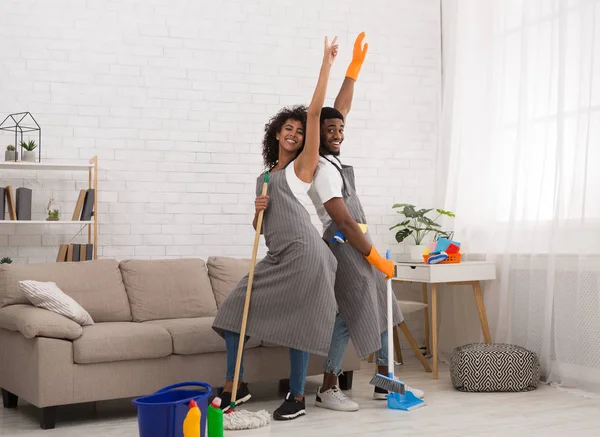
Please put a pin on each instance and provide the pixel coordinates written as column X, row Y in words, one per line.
column 53, row 211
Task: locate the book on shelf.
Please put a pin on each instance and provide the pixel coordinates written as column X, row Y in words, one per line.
column 88, row 205
column 75, row 252
column 2, row 203
column 10, row 202
column 23, row 204
column 79, row 205
column 62, row 253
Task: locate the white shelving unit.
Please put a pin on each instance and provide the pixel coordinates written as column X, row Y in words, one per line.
column 91, row 168
column 21, row 165
column 46, row 222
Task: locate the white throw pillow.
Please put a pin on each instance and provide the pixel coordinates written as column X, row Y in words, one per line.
column 47, row 295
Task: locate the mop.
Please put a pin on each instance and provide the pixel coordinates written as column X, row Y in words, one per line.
column 398, row 398
column 233, row 420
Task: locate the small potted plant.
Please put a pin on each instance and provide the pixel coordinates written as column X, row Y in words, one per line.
column 10, row 154
column 53, row 212
column 418, row 225
column 28, row 150
column 6, row 260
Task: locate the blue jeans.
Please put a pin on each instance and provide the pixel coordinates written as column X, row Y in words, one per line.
column 339, row 343
column 298, row 363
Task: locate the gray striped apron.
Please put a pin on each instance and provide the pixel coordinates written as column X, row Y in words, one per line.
column 360, row 289
column 293, row 302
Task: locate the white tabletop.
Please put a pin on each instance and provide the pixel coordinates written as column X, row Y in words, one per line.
column 439, row 273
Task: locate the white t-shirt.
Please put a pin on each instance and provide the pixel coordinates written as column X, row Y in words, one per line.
column 326, row 185
column 299, row 188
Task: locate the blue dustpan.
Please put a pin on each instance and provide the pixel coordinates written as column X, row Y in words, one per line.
column 406, row 402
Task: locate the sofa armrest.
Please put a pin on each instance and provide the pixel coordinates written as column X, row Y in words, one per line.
column 32, row 322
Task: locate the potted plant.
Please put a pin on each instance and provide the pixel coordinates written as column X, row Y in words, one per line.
column 418, row 225
column 53, row 213
column 6, row 260
column 10, row 154
column 29, row 150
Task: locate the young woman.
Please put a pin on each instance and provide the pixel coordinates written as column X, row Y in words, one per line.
column 293, row 302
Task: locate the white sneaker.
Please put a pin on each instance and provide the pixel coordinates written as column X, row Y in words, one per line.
column 418, row 393
column 334, row 399
column 381, row 394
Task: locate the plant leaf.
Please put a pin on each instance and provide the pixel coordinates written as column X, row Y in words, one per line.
column 402, row 205
column 446, row 213
column 409, row 212
column 423, row 211
column 427, row 221
column 402, row 234
column 404, row 223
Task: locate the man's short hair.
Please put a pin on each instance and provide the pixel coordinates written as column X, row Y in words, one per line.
column 328, row 112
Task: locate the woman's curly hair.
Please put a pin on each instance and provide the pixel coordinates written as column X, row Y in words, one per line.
column 270, row 150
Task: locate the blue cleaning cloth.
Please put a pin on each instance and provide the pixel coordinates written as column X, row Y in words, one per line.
column 339, row 238
column 434, row 259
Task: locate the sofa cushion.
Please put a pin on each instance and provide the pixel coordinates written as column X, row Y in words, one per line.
column 225, row 273
column 47, row 295
column 32, row 322
column 96, row 285
column 121, row 341
column 195, row 336
column 168, row 289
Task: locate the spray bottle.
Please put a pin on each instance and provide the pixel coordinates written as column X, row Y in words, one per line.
column 214, row 417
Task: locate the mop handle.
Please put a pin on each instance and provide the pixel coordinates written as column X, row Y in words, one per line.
column 390, row 316
column 238, row 362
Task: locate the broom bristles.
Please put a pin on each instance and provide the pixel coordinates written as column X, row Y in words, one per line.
column 236, row 420
column 389, row 384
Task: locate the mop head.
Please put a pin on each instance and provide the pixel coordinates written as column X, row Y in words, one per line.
column 242, row 419
column 399, row 398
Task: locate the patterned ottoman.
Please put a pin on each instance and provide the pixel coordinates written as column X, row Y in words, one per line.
column 481, row 367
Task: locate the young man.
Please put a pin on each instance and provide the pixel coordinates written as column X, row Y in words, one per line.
column 360, row 287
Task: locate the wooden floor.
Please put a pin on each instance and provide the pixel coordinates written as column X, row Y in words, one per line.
column 544, row 412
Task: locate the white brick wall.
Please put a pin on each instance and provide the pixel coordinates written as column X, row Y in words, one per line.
column 172, row 95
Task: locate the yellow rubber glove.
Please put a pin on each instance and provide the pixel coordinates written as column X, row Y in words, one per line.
column 358, row 57
column 385, row 266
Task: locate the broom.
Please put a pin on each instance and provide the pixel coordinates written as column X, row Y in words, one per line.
column 245, row 419
column 398, row 398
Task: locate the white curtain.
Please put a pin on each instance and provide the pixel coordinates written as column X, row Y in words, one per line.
column 519, row 163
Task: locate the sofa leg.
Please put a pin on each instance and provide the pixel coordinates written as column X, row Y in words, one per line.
column 9, row 400
column 345, row 380
column 48, row 418
column 284, row 386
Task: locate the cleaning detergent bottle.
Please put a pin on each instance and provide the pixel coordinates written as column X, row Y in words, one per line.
column 214, row 417
column 191, row 423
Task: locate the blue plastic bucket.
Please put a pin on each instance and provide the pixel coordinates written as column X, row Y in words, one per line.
column 162, row 414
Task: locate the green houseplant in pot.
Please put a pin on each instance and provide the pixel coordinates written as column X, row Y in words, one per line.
column 28, row 150
column 10, row 154
column 418, row 225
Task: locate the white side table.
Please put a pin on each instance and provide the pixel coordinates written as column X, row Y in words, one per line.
column 463, row 273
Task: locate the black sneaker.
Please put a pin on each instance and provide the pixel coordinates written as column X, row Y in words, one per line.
column 243, row 395
column 380, row 394
column 290, row 409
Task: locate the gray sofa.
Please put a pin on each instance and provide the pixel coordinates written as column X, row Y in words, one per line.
column 152, row 328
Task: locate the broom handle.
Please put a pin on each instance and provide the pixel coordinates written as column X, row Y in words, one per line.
column 390, row 316
column 238, row 362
